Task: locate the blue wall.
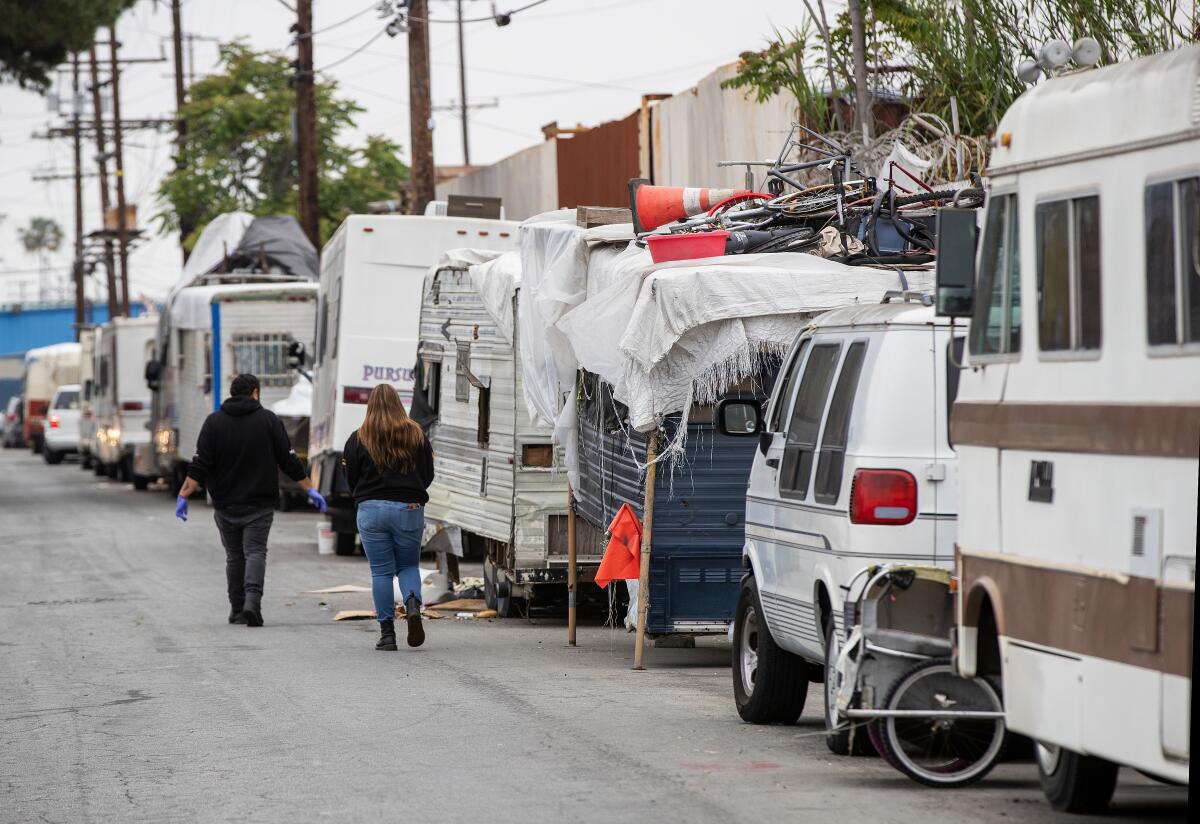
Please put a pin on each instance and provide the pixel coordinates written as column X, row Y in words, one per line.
column 25, row 328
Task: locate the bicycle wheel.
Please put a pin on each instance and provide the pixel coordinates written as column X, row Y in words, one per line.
column 942, row 752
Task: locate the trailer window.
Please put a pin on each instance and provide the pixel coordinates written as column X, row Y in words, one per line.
column 805, row 423
column 1068, row 270
column 996, row 327
column 837, row 426
column 1173, row 262
column 263, row 355
column 788, row 388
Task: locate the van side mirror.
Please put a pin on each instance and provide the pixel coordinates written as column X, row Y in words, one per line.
column 296, row 354
column 956, row 237
column 152, row 374
column 739, row 417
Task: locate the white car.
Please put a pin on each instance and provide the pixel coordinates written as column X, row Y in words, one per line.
column 61, row 434
column 854, row 467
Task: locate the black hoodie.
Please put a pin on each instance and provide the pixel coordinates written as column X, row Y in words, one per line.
column 237, row 453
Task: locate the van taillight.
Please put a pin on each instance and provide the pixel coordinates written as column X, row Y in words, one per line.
column 355, row 394
column 132, row 406
column 883, row 496
column 54, row 421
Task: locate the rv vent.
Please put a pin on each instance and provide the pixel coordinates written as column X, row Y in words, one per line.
column 690, row 575
column 1139, row 536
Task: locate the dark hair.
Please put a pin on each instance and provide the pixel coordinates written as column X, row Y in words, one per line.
column 243, row 384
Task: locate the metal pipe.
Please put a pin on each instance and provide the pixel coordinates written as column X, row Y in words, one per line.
column 982, row 715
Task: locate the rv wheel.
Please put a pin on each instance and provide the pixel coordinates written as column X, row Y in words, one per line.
column 141, row 482
column 1075, row 783
column 489, row 584
column 769, row 683
column 99, row 469
column 50, row 456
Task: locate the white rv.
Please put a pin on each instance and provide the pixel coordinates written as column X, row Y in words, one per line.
column 495, row 475
column 46, row 369
column 120, row 398
column 210, row 334
column 372, row 272
column 87, row 372
column 1077, row 423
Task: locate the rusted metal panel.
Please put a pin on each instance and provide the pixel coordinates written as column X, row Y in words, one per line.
column 595, row 166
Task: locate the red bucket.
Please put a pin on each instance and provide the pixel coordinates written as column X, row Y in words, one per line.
column 686, row 246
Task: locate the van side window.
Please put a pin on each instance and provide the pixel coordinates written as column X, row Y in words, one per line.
column 788, row 387
column 1173, row 262
column 805, row 422
column 1068, row 271
column 996, row 327
column 837, row 426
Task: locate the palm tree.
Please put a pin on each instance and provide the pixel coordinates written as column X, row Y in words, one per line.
column 43, row 236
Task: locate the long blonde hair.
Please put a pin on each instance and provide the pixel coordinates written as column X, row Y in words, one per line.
column 389, row 435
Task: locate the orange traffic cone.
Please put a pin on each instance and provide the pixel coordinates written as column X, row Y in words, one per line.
column 652, row 206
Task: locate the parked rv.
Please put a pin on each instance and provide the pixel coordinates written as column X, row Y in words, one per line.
column 120, row 397
column 87, row 385
column 495, row 477
column 46, row 369
column 372, row 271
column 853, row 468
column 1078, row 421
column 61, row 436
column 211, row 333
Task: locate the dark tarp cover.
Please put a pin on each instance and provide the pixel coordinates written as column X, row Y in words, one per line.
column 282, row 242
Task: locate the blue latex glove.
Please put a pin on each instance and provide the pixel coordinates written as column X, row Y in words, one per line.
column 315, row 498
column 181, row 508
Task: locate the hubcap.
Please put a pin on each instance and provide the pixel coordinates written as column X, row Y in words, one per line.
column 1048, row 756
column 831, row 681
column 748, row 651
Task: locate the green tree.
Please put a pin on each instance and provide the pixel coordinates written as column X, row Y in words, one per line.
column 42, row 237
column 239, row 151
column 37, row 35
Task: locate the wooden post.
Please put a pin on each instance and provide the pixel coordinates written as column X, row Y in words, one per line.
column 119, row 170
column 644, row 572
column 420, row 108
column 572, row 567
column 110, row 266
column 77, row 147
column 307, row 160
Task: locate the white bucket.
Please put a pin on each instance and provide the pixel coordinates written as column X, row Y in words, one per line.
column 325, row 539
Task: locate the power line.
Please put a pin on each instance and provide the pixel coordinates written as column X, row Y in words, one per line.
column 354, row 53
column 343, row 21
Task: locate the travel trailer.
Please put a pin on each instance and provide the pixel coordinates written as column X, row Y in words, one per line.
column 1077, row 423
column 372, row 272
column 120, row 399
column 46, row 369
column 495, row 470
column 211, row 333
column 87, row 371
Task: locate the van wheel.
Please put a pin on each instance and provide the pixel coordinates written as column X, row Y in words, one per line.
column 141, row 482
column 1075, row 783
column 769, row 683
column 51, row 457
column 345, row 543
column 838, row 740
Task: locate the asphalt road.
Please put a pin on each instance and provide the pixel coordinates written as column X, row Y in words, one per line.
column 125, row 696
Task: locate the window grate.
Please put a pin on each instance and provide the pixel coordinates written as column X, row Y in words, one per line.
column 263, row 355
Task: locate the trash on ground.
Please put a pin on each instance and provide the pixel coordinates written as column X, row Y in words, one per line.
column 354, row 615
column 459, row 605
column 337, row 590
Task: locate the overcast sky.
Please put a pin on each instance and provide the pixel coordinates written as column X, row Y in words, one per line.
column 583, row 61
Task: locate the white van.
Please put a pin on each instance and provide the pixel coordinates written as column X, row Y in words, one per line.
column 854, row 467
column 120, row 399
column 62, row 425
column 372, row 271
column 1078, row 423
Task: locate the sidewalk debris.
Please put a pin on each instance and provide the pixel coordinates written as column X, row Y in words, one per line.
column 337, row 590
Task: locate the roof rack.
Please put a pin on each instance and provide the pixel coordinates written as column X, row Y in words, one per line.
column 908, row 296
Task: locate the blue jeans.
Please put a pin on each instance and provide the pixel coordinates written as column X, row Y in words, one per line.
column 391, row 537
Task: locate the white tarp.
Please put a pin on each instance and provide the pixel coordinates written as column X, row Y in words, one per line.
column 191, row 308
column 298, row 403
column 219, row 238
column 497, row 282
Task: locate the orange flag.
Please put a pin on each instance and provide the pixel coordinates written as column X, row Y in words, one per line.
column 623, row 555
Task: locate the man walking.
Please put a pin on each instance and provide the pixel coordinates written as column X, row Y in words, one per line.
column 237, row 453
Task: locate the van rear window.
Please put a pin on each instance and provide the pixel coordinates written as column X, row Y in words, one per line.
column 805, row 423
column 837, row 427
column 66, row 400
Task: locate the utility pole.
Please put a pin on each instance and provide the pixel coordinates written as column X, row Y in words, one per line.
column 77, row 148
column 862, row 92
column 462, row 86
column 306, row 124
column 420, row 107
column 119, row 159
column 110, row 267
column 185, row 223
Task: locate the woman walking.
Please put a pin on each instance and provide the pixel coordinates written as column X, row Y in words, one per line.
column 389, row 465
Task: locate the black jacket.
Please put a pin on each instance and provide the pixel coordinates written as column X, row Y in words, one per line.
column 237, row 453
column 367, row 483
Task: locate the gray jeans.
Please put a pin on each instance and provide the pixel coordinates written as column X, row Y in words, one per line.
column 244, row 534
